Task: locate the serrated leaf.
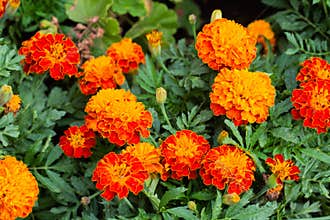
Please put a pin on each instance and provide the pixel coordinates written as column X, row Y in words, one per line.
column 182, row 212
column 172, row 194
column 83, row 10
column 317, row 154
column 160, row 18
column 49, row 184
column 286, row 134
column 280, row 108
column 54, row 154
column 217, row 206
column 235, row 131
column 133, row 7
column 256, row 212
column 202, row 195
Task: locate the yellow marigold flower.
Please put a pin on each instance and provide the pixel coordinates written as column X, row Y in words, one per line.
column 154, row 39
column 101, row 72
column 117, row 116
column 228, row 165
column 243, row 96
column 13, row 105
column 18, row 189
column 127, row 54
column 261, row 29
column 147, row 154
column 224, row 43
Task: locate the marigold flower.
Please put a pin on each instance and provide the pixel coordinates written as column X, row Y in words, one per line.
column 228, row 165
column 101, row 72
column 13, row 105
column 154, row 39
column 127, row 54
column 77, row 141
column 245, row 97
column 261, row 29
column 18, row 189
column 182, row 154
column 314, row 68
column 283, row 169
column 3, row 5
column 117, row 174
column 54, row 52
column 312, row 104
column 147, row 154
column 224, row 43
column 117, row 116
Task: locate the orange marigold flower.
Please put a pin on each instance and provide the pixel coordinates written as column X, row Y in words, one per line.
column 283, row 169
column 78, row 141
column 154, row 39
column 228, row 165
column 127, row 54
column 182, row 154
column 312, row 103
column 224, row 43
column 13, row 105
column 18, row 189
column 314, row 68
column 117, row 174
column 147, row 154
column 245, row 97
column 3, row 5
column 261, row 29
column 54, row 52
column 117, row 116
column 101, row 72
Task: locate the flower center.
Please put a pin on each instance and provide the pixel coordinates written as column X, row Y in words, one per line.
column 320, row 100
column 186, row 147
column 281, row 170
column 77, row 140
column 57, row 52
column 324, row 74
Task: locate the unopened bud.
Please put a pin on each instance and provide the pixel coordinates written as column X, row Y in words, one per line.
column 161, row 95
column 85, row 200
column 154, row 40
column 223, row 134
column 192, row 206
column 5, row 94
column 192, row 19
column 231, row 199
column 216, row 14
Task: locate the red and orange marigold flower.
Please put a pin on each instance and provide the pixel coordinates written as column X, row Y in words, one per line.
column 78, row 141
column 18, row 189
column 147, row 154
column 54, row 52
column 127, row 54
column 314, row 68
column 13, row 105
column 243, row 96
column 224, row 43
column 101, row 72
column 182, row 154
column 228, row 165
column 117, row 116
column 119, row 174
column 283, row 169
column 261, row 29
column 312, row 104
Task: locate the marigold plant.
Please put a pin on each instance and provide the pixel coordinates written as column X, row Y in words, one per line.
column 117, row 116
column 228, row 165
column 18, row 189
column 14, row 104
column 127, row 54
column 312, row 104
column 182, row 154
column 77, row 141
column 261, row 29
column 119, row 174
column 154, row 40
column 54, row 52
column 101, row 72
column 147, row 154
column 314, row 68
column 243, row 96
column 225, row 43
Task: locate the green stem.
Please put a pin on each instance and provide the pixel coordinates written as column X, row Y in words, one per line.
column 129, row 204
column 94, row 195
column 162, row 107
column 153, row 199
column 193, row 27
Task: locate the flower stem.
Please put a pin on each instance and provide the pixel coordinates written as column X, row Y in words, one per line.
column 129, row 204
column 94, row 195
column 162, row 108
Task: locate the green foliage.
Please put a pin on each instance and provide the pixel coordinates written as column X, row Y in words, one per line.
column 135, row 7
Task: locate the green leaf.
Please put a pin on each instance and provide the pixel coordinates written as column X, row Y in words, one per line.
column 203, row 195
column 133, row 7
column 276, row 3
column 256, row 212
column 217, row 206
column 317, row 154
column 111, row 34
column 257, row 134
column 291, row 192
column 280, row 108
column 49, row 184
column 182, row 212
column 172, row 194
column 160, row 18
column 84, row 10
column 235, row 131
column 286, row 134
column 54, row 154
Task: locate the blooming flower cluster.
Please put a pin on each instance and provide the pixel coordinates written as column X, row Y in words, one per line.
column 54, row 52
column 311, row 101
column 235, row 94
column 18, row 189
column 261, row 29
column 117, row 116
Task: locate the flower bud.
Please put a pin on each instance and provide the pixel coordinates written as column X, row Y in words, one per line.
column 192, row 206
column 85, row 200
column 5, row 94
column 154, row 40
column 231, row 199
column 223, row 134
column 216, row 14
column 192, row 19
column 161, row 95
